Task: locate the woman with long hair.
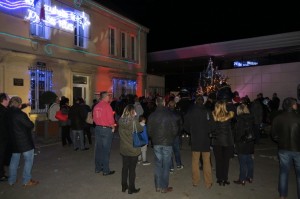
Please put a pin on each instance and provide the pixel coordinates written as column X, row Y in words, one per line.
column 129, row 154
column 222, row 141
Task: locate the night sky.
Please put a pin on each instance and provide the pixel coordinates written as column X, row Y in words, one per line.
column 176, row 24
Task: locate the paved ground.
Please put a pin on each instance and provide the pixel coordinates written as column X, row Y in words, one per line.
column 64, row 173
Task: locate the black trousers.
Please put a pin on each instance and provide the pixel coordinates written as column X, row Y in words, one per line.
column 65, row 135
column 87, row 132
column 129, row 165
column 222, row 155
column 2, row 157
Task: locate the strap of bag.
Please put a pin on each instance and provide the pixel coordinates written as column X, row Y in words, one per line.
column 134, row 127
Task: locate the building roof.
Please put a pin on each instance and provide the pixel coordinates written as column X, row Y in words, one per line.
column 195, row 58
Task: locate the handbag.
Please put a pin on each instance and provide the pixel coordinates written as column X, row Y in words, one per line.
column 248, row 135
column 60, row 116
column 139, row 138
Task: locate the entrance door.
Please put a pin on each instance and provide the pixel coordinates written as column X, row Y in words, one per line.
column 80, row 87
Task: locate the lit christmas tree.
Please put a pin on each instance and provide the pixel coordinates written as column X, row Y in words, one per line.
column 211, row 81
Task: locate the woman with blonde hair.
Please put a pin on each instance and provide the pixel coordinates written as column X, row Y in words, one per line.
column 244, row 147
column 129, row 154
column 222, row 141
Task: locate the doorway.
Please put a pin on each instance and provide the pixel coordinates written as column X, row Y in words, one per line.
column 80, row 87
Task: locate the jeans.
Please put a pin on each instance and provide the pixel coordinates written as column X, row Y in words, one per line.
column 246, row 166
column 163, row 155
column 14, row 164
column 143, row 156
column 78, row 134
column 176, row 151
column 286, row 159
column 103, row 140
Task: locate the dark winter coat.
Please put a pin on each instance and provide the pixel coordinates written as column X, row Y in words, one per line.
column 197, row 122
column 223, row 135
column 77, row 116
column 20, row 127
column 241, row 146
column 286, row 131
column 163, row 126
column 4, row 135
column 257, row 111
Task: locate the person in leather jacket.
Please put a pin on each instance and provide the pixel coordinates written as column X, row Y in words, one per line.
column 222, row 141
column 286, row 132
column 163, row 126
column 20, row 127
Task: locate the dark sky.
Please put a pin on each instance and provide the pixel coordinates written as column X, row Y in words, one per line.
column 177, row 23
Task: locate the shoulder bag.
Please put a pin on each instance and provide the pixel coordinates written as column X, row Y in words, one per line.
column 60, row 116
column 139, row 138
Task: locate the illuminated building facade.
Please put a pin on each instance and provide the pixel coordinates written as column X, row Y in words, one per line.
column 74, row 48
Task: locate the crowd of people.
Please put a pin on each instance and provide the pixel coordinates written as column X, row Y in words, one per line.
column 225, row 125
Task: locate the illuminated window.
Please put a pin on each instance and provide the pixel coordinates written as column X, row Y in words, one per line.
column 38, row 28
column 40, row 81
column 133, row 47
column 80, row 31
column 124, row 45
column 123, row 87
column 112, row 41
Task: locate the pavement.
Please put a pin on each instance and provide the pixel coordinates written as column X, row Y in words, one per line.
column 67, row 174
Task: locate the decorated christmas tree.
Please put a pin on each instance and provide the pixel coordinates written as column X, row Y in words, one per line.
column 212, row 82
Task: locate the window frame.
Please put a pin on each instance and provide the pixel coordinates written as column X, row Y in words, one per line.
column 133, row 49
column 39, row 29
column 124, row 45
column 80, row 34
column 40, row 82
column 112, row 41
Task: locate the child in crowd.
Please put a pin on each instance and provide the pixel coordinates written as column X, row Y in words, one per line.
column 143, row 157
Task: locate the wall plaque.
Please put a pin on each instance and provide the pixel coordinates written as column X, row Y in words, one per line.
column 18, row 82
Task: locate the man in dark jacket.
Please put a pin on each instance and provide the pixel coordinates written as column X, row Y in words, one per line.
column 4, row 135
column 257, row 112
column 163, row 128
column 286, row 131
column 77, row 116
column 197, row 122
column 20, row 128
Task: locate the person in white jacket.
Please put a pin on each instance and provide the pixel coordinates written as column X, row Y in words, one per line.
column 53, row 109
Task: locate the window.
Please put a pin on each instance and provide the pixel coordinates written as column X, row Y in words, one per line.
column 124, row 45
column 133, row 47
column 38, row 27
column 80, row 30
column 123, row 87
column 40, row 81
column 112, row 41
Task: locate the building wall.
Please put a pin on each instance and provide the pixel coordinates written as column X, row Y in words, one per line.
column 155, row 85
column 280, row 78
column 19, row 50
